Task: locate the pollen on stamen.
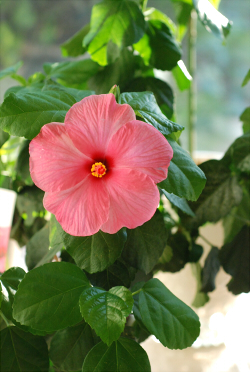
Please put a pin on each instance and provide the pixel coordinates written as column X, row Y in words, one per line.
column 98, row 170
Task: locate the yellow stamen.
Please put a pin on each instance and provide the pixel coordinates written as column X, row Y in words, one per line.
column 98, row 169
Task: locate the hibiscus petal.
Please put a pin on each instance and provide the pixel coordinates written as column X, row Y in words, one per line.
column 82, row 209
column 55, row 163
column 140, row 146
column 134, row 198
column 93, row 121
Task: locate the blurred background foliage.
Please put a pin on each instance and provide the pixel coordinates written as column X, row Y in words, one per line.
column 32, row 31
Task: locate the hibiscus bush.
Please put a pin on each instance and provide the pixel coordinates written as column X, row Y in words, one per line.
column 95, row 158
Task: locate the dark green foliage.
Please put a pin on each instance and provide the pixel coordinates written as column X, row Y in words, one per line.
column 87, row 297
column 145, row 244
column 122, row 355
column 52, row 304
column 168, row 318
column 162, row 92
column 185, row 179
column 97, row 252
column 235, row 260
column 210, row 270
column 21, row 351
column 37, row 247
column 70, row 346
column 108, row 35
column 119, row 273
column 178, row 252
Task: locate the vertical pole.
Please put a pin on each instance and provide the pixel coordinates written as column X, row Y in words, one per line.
column 192, row 97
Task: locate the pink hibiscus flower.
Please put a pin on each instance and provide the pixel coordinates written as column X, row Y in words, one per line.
column 100, row 168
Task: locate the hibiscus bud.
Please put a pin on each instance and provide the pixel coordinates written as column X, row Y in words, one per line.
column 116, row 91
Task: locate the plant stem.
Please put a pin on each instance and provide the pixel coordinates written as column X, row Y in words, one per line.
column 192, row 96
column 205, row 240
column 5, row 319
column 143, row 4
column 134, row 293
column 247, row 222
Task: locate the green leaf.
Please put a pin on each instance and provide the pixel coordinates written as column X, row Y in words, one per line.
column 237, row 152
column 47, row 298
column 182, row 76
column 10, row 70
column 70, row 346
column 71, row 72
column 97, row 252
column 73, row 47
column 161, row 90
column 11, row 280
column 183, row 17
column 237, row 218
column 106, row 312
column 195, row 252
column 55, row 234
column 156, row 15
column 77, row 94
column 178, row 251
column 201, row 298
column 117, row 274
column 235, row 258
column 145, row 244
column 246, row 79
column 221, row 194
column 145, row 106
column 158, row 47
column 210, row 270
column 37, row 247
column 24, row 115
column 22, row 164
column 113, row 25
column 185, row 179
column 174, row 323
column 30, row 200
column 120, row 73
column 22, row 351
column 245, row 118
column 37, row 87
column 122, row 355
column 3, row 137
column 212, row 19
column 178, row 202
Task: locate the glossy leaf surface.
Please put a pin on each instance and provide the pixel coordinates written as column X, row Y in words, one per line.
column 123, row 355
column 171, row 321
column 113, row 25
column 212, row 19
column 145, row 106
column 97, row 252
column 47, row 298
column 185, row 179
column 24, row 115
column 106, row 312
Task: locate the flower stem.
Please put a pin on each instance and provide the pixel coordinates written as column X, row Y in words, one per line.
column 134, row 293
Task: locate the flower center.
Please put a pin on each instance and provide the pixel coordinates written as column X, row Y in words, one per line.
column 98, row 170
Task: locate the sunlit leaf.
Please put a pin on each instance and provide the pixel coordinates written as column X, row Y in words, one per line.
column 113, row 25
